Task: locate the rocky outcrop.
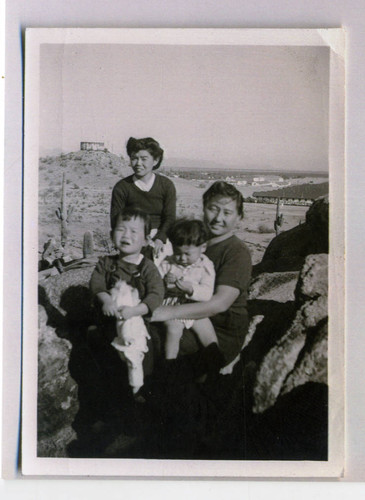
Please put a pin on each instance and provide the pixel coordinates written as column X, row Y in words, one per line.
column 57, row 392
column 289, row 249
column 300, row 355
column 66, row 298
column 311, row 365
column 274, row 286
column 288, row 391
column 313, row 278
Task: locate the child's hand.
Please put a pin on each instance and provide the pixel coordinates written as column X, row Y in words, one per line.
column 185, row 286
column 170, row 279
column 110, row 309
column 126, row 312
column 157, row 248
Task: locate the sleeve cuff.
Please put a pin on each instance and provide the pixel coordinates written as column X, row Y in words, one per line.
column 151, row 304
column 160, row 236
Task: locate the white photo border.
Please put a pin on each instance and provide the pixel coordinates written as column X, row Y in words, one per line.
column 33, row 465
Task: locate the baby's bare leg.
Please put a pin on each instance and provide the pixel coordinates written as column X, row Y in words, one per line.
column 205, row 331
column 174, row 331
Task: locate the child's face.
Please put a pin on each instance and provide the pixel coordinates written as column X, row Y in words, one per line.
column 142, row 163
column 188, row 254
column 128, row 236
column 221, row 216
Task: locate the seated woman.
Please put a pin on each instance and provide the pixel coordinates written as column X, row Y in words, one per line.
column 227, row 309
column 153, row 193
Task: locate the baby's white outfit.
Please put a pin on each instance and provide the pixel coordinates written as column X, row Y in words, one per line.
column 200, row 274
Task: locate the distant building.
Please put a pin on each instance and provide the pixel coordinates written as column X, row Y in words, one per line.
column 92, row 146
column 301, row 193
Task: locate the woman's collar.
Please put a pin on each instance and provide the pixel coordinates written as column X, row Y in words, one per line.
column 219, row 239
column 144, row 185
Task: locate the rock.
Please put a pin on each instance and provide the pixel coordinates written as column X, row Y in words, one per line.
column 289, row 249
column 313, row 279
column 300, row 355
column 274, row 286
column 66, row 297
column 56, row 444
column 57, row 391
column 317, row 219
column 312, row 364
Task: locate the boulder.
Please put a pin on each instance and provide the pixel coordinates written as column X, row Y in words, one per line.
column 57, row 402
column 274, row 286
column 300, row 354
column 311, row 366
column 66, row 298
column 313, row 278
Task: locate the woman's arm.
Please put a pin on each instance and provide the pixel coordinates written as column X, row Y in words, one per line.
column 168, row 214
column 117, row 204
column 220, row 302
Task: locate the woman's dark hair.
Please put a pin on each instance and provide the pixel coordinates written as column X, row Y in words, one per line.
column 135, row 213
column 188, row 232
column 223, row 189
column 147, row 144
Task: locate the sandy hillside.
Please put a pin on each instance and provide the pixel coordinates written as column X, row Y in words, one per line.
column 90, row 179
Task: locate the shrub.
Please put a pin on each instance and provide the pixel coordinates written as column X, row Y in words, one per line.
column 263, row 229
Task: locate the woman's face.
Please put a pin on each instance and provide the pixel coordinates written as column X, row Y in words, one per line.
column 221, row 216
column 142, row 163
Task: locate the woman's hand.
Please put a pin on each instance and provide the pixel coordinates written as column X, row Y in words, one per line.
column 157, row 249
column 221, row 301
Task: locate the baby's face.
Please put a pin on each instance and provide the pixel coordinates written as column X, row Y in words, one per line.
column 128, row 236
column 188, row 254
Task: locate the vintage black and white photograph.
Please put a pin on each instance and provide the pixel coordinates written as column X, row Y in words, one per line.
column 180, row 252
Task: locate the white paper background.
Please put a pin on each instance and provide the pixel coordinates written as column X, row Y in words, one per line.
column 190, row 13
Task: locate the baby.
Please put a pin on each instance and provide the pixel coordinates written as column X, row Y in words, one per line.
column 131, row 267
column 189, row 276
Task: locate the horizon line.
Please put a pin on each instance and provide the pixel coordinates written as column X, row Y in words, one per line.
column 227, row 167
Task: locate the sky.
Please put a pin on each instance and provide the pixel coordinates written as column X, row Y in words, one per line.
column 240, row 106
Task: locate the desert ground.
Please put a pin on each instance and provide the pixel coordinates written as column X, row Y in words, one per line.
column 90, row 177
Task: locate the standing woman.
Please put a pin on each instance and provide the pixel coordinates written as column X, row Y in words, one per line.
column 227, row 309
column 153, row 193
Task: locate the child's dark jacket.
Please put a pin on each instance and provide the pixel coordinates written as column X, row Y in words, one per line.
column 143, row 276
